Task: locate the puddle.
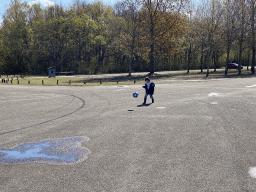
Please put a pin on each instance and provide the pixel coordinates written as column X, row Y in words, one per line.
column 52, row 151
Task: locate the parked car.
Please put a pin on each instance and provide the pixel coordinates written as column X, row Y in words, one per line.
column 234, row 66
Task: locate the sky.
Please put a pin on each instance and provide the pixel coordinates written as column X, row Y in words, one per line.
column 4, row 4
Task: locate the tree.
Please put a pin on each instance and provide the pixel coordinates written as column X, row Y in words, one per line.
column 129, row 9
column 161, row 20
column 230, row 28
column 15, row 40
column 207, row 27
column 252, row 6
column 241, row 17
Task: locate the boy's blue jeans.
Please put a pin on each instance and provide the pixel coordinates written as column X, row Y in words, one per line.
column 151, row 96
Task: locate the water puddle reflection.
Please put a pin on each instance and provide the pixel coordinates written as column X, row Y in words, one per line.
column 52, row 151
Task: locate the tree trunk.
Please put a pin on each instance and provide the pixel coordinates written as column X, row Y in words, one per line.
column 227, row 60
column 248, row 60
column 208, row 65
column 240, row 58
column 214, row 60
column 152, row 47
column 253, row 36
column 152, row 59
column 131, row 56
column 253, row 60
column 242, row 37
column 202, row 56
column 189, row 57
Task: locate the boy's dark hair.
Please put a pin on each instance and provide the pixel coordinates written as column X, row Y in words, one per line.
column 147, row 79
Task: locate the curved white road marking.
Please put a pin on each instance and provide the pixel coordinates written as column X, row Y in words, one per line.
column 161, row 107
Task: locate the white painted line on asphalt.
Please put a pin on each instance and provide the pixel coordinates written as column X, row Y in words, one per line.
column 120, row 90
column 213, row 94
column 121, row 86
column 252, row 172
column 17, row 100
column 214, row 103
column 174, row 80
column 161, row 107
column 251, row 86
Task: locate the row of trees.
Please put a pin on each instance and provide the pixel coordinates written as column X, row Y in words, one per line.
column 224, row 29
column 135, row 35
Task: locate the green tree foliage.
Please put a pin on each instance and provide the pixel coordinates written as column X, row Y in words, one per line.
column 136, row 35
column 15, row 38
column 162, row 23
column 84, row 40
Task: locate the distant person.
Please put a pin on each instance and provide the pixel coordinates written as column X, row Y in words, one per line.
column 149, row 88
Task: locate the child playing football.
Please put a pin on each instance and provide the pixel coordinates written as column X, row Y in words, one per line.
column 149, row 88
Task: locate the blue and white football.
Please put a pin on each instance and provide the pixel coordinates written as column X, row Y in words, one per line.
column 135, row 94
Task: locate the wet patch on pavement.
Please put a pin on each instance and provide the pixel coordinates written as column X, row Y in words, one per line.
column 52, row 151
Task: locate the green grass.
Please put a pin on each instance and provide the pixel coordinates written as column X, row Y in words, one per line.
column 123, row 79
column 62, row 81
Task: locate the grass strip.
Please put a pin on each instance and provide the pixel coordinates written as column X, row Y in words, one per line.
column 120, row 79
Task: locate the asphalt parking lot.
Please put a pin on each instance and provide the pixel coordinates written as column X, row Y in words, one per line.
column 197, row 136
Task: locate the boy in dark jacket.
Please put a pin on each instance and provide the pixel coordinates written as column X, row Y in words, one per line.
column 149, row 88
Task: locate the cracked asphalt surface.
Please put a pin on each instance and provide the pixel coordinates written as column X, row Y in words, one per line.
column 197, row 136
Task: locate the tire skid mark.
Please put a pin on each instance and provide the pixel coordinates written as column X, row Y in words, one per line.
column 50, row 119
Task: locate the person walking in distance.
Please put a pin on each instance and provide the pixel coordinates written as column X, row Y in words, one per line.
column 149, row 89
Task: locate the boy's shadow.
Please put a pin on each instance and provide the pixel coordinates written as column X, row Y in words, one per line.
column 144, row 105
